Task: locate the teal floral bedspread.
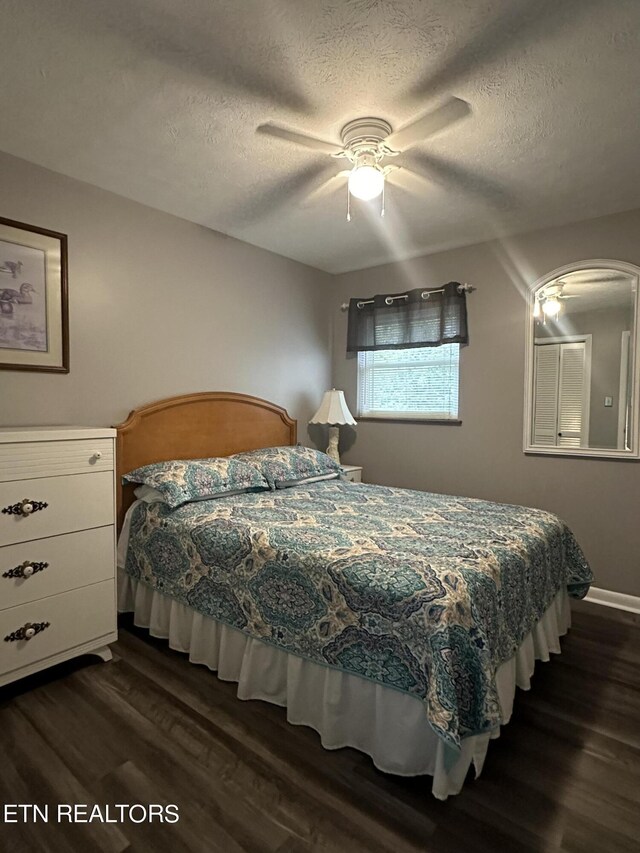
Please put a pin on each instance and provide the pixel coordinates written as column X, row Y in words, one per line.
column 424, row 593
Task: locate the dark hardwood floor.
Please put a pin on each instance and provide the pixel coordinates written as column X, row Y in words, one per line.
column 151, row 728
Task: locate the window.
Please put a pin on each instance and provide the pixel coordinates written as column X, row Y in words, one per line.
column 421, row 382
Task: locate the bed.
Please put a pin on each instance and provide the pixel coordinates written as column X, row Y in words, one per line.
column 395, row 622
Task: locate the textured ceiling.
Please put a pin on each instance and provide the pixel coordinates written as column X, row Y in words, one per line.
column 158, row 100
column 597, row 289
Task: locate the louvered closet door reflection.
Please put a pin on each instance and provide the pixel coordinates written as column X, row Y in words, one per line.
column 571, row 395
column 545, row 416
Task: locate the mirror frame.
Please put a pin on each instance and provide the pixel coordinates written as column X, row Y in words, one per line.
column 598, row 452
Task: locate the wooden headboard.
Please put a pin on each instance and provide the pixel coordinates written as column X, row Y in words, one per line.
column 196, row 426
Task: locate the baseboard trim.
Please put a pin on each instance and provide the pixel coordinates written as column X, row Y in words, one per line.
column 619, row 600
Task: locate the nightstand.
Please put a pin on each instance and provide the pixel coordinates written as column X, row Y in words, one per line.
column 353, row 473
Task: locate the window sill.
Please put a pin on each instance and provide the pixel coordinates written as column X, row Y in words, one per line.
column 384, row 420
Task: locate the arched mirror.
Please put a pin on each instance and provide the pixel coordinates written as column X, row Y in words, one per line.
column 583, row 361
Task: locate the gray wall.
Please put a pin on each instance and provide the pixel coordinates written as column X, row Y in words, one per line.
column 605, row 325
column 160, row 306
column 600, row 499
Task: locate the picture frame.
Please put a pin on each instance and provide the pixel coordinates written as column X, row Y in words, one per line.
column 34, row 308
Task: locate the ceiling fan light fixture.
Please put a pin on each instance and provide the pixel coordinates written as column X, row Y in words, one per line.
column 551, row 307
column 366, row 182
column 367, row 142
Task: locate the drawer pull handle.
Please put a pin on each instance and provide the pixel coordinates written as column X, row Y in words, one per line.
column 25, row 570
column 24, row 507
column 29, row 630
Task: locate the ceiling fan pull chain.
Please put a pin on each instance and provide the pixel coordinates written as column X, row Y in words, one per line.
column 382, row 202
column 348, row 205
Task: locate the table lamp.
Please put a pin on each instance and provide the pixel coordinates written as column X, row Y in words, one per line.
column 333, row 411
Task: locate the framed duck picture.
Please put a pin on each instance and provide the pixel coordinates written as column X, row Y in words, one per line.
column 34, row 313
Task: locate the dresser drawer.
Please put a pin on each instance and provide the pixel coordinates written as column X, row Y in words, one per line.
column 55, row 565
column 75, row 619
column 29, row 460
column 73, row 503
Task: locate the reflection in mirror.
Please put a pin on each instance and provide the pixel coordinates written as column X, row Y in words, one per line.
column 583, row 361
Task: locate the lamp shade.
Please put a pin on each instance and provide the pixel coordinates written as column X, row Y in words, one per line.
column 333, row 410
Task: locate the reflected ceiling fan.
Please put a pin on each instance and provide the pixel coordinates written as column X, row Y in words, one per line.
column 549, row 300
column 367, row 143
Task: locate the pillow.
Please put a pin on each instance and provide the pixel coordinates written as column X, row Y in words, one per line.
column 148, row 494
column 286, row 464
column 183, row 480
column 285, row 484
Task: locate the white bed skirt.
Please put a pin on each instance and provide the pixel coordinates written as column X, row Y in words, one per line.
column 389, row 726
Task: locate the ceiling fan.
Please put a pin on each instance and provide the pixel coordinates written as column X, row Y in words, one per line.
column 549, row 300
column 367, row 143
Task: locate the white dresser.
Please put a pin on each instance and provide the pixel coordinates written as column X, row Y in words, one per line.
column 57, row 546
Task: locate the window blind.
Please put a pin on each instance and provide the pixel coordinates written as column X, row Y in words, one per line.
column 411, row 383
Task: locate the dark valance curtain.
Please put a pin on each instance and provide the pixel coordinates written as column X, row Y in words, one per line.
column 418, row 318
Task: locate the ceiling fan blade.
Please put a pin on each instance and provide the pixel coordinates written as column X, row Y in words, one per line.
column 439, row 119
column 202, row 43
column 451, row 176
column 407, row 179
column 277, row 194
column 518, row 27
column 299, row 138
column 328, row 187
